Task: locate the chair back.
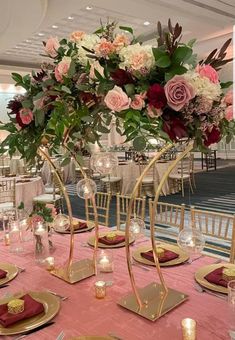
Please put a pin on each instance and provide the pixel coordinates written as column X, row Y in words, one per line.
column 167, row 215
column 138, row 209
column 102, row 200
column 218, row 226
column 7, row 191
column 4, row 165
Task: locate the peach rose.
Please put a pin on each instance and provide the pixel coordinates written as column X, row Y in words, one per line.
column 26, row 116
column 77, row 36
column 208, row 72
column 229, row 113
column 53, row 209
column 178, row 92
column 137, row 103
column 96, row 65
column 117, row 100
column 104, row 48
column 120, row 41
column 62, row 68
column 152, row 112
column 228, row 98
column 51, row 47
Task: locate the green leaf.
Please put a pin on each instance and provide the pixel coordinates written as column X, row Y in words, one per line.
column 98, row 75
column 139, row 143
column 191, row 42
column 102, row 129
column 65, row 161
column 87, row 119
column 226, row 85
column 127, row 29
column 38, row 95
column 175, row 70
column 27, row 104
column 163, row 61
column 65, row 89
column 39, row 117
column 48, row 82
column 20, row 206
column 72, row 69
column 182, row 54
column 17, row 77
column 130, row 89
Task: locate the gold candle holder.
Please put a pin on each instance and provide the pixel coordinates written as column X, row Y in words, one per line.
column 6, row 239
column 100, row 289
column 188, row 329
column 50, row 263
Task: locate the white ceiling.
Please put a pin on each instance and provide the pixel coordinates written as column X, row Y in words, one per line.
column 25, row 23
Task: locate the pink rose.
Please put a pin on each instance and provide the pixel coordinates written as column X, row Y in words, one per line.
column 62, row 68
column 117, row 100
column 178, row 92
column 208, row 72
column 52, row 208
column 137, row 103
column 26, row 116
column 152, row 112
column 77, row 36
column 229, row 113
column 96, row 65
column 104, row 48
column 51, row 47
column 228, row 98
column 120, row 41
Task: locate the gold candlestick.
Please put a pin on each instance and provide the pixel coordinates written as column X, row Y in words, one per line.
column 188, row 329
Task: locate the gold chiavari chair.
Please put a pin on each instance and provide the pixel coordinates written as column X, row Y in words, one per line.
column 184, row 174
column 167, row 215
column 148, row 180
column 102, row 200
column 122, row 203
column 7, row 194
column 217, row 226
column 4, row 165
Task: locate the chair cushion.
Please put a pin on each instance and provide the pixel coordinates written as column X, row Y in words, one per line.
column 178, row 176
column 6, row 205
column 111, row 179
column 147, row 179
column 46, row 198
column 49, row 190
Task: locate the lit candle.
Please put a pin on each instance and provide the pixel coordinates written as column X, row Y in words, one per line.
column 50, row 263
column 100, row 289
column 40, row 229
column 14, row 227
column 7, row 239
column 105, row 264
column 188, row 329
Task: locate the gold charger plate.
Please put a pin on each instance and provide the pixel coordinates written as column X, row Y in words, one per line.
column 51, row 306
column 203, row 271
column 91, row 240
column 182, row 255
column 11, row 270
column 90, row 226
column 91, row 337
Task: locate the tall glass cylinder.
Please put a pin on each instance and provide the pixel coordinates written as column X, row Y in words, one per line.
column 15, row 241
column 105, row 266
column 41, row 244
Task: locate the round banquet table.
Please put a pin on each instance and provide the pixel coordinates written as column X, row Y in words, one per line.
column 68, row 172
column 26, row 191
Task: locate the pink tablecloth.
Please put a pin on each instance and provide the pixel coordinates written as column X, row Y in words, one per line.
column 83, row 314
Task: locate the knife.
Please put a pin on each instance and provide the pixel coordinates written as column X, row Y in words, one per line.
column 3, row 286
column 34, row 330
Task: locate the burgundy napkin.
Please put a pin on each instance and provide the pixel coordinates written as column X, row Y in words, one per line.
column 80, row 226
column 118, row 239
column 3, row 274
column 216, row 277
column 31, row 308
column 168, row 256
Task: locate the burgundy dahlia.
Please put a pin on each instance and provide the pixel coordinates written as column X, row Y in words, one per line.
column 14, row 105
column 174, row 127
column 121, row 77
column 156, row 96
column 212, row 136
column 39, row 75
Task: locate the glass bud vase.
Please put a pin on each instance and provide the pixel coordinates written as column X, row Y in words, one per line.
column 41, row 244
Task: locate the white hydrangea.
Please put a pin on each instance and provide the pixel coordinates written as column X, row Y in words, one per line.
column 203, row 86
column 89, row 41
column 137, row 57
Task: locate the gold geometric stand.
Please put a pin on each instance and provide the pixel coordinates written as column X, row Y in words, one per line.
column 78, row 271
column 156, row 303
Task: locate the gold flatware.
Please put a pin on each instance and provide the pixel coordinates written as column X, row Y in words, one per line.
column 58, row 295
column 195, row 259
column 34, row 330
column 201, row 289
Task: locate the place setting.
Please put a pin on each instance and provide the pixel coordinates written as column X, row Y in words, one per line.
column 61, row 225
column 8, row 272
column 113, row 239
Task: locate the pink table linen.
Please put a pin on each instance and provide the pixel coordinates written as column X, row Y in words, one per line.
column 83, row 314
column 25, row 192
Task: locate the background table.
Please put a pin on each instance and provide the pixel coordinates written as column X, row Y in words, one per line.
column 83, row 314
column 25, row 192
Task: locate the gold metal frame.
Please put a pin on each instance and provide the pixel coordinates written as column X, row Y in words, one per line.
column 154, row 300
column 73, row 272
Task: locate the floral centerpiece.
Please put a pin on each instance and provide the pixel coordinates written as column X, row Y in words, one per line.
column 150, row 92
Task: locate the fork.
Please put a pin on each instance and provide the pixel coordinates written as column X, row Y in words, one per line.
column 21, row 270
column 114, row 336
column 200, row 289
column 60, row 336
column 192, row 260
column 140, row 266
column 62, row 297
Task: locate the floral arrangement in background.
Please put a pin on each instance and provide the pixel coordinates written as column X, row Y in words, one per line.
column 150, row 92
column 44, row 213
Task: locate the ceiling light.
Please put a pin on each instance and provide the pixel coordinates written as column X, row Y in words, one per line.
column 41, row 34
column 89, row 8
column 16, row 46
column 54, row 26
column 27, row 40
column 70, row 18
column 146, row 23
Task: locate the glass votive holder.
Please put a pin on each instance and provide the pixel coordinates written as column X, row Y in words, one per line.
column 188, row 329
column 105, row 266
column 41, row 242
column 50, row 263
column 100, row 289
column 14, row 237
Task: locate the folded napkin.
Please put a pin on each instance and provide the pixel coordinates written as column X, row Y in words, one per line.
column 31, row 308
column 3, row 274
column 118, row 239
column 216, row 277
column 168, row 256
column 79, row 226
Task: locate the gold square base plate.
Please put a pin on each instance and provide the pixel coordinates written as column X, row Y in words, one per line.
column 79, row 271
column 155, row 302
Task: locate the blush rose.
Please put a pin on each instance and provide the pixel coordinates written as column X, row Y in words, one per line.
column 117, row 100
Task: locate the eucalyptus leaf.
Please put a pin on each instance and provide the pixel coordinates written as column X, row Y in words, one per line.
column 65, row 89
column 139, row 143
column 127, row 29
